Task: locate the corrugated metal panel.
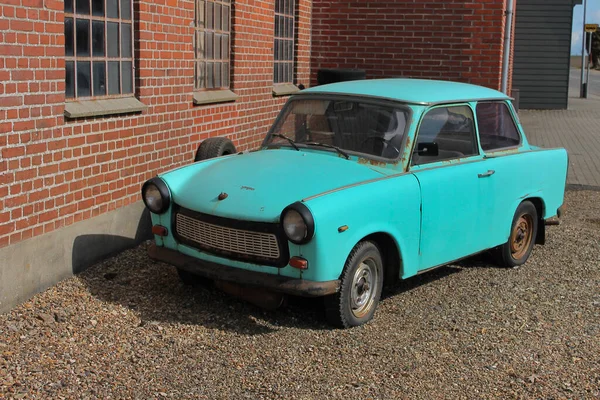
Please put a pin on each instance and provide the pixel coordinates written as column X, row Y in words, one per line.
column 542, row 49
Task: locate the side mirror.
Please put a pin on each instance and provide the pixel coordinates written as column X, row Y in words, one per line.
column 428, row 149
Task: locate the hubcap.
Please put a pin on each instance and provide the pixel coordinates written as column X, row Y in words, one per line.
column 364, row 285
column 521, row 236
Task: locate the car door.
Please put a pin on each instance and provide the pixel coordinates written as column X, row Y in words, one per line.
column 451, row 192
column 510, row 169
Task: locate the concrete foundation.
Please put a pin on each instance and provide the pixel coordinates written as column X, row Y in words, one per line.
column 29, row 267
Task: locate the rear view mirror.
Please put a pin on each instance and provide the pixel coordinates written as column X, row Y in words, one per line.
column 428, row 149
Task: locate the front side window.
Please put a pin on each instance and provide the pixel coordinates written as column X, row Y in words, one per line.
column 212, row 44
column 449, row 129
column 354, row 126
column 497, row 129
column 283, row 49
column 98, row 48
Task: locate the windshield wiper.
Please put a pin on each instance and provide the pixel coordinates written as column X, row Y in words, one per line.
column 279, row 135
column 330, row 146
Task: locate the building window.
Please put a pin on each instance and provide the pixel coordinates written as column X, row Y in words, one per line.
column 98, row 48
column 213, row 23
column 283, row 50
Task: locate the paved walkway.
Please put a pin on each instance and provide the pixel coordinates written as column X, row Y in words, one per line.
column 576, row 129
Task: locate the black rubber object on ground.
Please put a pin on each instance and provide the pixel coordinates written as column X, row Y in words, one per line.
column 325, row 76
column 214, row 147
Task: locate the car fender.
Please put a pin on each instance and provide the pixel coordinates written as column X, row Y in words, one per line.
column 391, row 206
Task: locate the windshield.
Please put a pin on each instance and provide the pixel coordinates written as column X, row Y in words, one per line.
column 353, row 125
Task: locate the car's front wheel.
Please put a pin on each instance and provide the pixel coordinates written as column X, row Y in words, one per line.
column 362, row 280
column 523, row 232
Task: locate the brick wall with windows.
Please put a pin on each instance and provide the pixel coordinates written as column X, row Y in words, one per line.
column 55, row 170
column 434, row 39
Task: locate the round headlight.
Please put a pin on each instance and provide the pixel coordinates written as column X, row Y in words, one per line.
column 294, row 226
column 156, row 195
column 298, row 223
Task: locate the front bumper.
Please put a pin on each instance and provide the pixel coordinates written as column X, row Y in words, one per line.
column 276, row 283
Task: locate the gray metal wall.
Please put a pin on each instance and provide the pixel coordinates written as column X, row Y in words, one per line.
column 542, row 52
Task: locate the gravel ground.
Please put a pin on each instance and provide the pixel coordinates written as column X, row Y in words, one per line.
column 127, row 328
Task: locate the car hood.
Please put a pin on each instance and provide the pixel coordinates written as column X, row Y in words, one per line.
column 259, row 185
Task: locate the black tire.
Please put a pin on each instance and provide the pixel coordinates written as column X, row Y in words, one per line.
column 522, row 237
column 362, row 281
column 326, row 75
column 187, row 278
column 214, row 147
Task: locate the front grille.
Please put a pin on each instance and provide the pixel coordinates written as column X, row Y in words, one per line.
column 241, row 240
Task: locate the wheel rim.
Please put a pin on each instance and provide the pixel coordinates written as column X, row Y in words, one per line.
column 364, row 287
column 521, row 236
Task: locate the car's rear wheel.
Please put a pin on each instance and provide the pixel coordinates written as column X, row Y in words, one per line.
column 362, row 280
column 523, row 232
column 214, row 147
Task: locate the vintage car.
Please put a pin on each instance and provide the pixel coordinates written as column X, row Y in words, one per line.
column 356, row 185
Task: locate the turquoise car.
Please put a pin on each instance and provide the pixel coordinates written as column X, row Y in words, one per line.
column 357, row 185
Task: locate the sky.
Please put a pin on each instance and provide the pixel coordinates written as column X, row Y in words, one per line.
column 592, row 17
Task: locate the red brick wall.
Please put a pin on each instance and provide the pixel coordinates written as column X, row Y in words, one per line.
column 55, row 172
column 449, row 40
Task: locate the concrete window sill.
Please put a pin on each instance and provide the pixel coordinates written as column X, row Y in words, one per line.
column 214, row 96
column 94, row 108
column 284, row 89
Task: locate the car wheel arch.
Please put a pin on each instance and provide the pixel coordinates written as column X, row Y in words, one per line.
column 540, row 207
column 390, row 253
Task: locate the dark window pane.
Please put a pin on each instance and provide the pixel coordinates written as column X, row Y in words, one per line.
column 99, row 78
column 276, row 73
column 69, row 48
column 217, row 47
column 125, row 40
column 68, row 6
column 70, row 81
column 98, row 38
column 112, row 8
column 497, row 129
column 200, row 8
column 98, row 8
column 226, row 47
column 200, row 45
column 209, row 76
column 226, row 74
column 209, row 46
column 113, row 77
column 83, row 37
column 218, row 82
column 218, row 20
column 291, row 50
column 276, row 49
column 226, row 18
column 112, row 39
column 82, row 7
column 126, row 9
column 126, row 73
column 290, row 28
column 84, row 83
column 209, row 14
column 200, row 75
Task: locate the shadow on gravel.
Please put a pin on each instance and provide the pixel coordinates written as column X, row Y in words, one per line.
column 153, row 291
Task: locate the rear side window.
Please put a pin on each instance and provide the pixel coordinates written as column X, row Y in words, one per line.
column 497, row 129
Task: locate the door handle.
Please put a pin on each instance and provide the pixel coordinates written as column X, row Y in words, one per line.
column 486, row 174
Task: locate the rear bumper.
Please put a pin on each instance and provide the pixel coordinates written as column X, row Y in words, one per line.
column 276, row 283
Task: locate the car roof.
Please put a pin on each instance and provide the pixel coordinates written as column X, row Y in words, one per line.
column 413, row 91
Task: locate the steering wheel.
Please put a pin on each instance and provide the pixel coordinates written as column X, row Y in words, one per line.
column 382, row 139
